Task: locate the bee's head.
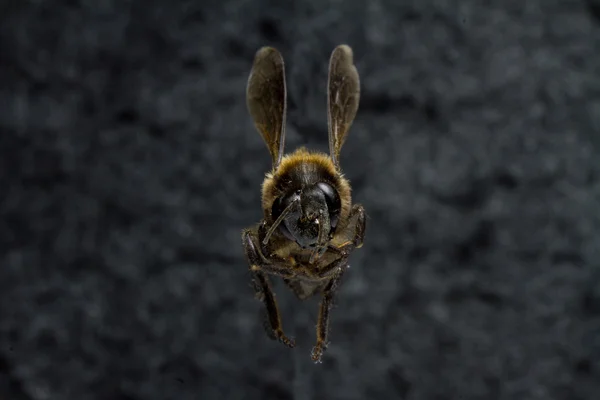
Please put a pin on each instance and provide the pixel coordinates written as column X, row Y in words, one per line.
column 309, row 215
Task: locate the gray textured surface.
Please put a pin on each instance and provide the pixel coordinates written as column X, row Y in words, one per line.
column 129, row 165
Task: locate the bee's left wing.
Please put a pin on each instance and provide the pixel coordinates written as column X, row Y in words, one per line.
column 266, row 99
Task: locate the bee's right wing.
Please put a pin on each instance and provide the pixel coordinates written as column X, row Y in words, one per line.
column 266, row 99
column 343, row 95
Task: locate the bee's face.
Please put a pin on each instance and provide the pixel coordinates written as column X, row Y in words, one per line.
column 314, row 210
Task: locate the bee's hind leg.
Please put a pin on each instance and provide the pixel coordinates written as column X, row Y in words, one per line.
column 264, row 291
column 324, row 312
column 358, row 225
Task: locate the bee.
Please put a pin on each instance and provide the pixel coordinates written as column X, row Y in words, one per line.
column 309, row 227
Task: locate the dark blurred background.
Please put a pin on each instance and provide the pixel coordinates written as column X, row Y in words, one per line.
column 129, row 166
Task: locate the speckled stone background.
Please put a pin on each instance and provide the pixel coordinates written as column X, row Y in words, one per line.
column 129, row 166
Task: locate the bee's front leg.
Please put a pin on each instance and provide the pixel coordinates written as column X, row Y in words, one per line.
column 263, row 289
column 361, row 225
column 324, row 312
column 358, row 226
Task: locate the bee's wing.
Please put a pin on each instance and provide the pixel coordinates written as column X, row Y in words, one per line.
column 343, row 95
column 266, row 99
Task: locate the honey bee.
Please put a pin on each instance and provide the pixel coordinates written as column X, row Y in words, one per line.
column 310, row 226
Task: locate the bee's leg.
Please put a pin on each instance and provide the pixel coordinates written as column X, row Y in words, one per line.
column 357, row 215
column 263, row 289
column 361, row 224
column 273, row 324
column 324, row 314
column 336, row 270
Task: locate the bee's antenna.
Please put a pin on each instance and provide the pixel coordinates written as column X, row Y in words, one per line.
column 278, row 221
column 317, row 248
column 324, row 227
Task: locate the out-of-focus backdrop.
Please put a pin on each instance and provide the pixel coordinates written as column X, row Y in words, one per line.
column 129, row 166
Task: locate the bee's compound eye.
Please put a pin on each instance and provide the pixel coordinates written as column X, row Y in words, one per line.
column 333, row 201
column 276, row 209
column 280, row 204
column 331, row 195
